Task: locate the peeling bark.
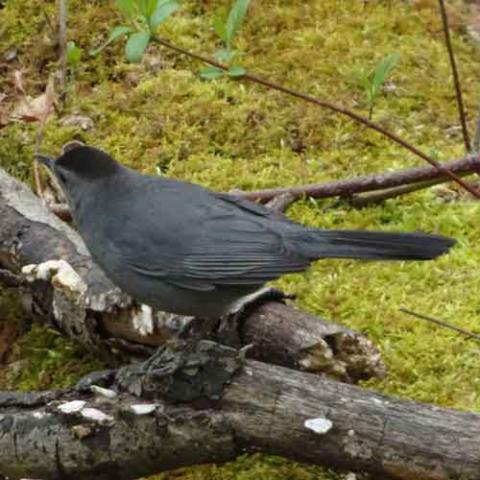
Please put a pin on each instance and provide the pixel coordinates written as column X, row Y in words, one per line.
column 69, row 289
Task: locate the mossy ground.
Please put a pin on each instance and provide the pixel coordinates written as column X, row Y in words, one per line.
column 160, row 118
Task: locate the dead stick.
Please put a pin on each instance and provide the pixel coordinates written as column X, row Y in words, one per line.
column 456, row 78
column 366, row 183
column 328, row 105
column 476, row 140
column 360, row 201
column 441, row 323
column 62, row 38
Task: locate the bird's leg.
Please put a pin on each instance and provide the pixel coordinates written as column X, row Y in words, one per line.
column 227, row 331
column 199, row 328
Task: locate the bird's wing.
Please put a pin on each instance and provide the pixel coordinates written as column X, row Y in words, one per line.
column 228, row 241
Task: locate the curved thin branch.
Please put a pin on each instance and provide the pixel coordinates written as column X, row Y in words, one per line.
column 367, row 183
column 330, row 106
column 456, row 78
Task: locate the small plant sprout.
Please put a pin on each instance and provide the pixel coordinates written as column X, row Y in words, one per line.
column 74, row 54
column 226, row 31
column 143, row 18
column 374, row 80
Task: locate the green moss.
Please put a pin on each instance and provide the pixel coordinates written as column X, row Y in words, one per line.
column 249, row 467
column 43, row 359
column 160, row 117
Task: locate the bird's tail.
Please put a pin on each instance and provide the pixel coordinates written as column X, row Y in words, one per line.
column 370, row 245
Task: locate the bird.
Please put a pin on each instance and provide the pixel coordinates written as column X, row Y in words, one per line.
column 182, row 248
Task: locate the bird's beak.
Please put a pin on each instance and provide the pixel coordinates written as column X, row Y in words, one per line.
column 47, row 161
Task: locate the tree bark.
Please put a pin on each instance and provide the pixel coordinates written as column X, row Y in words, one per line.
column 78, row 299
column 265, row 408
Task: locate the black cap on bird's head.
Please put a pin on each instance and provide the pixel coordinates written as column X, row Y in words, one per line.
column 81, row 162
column 81, row 169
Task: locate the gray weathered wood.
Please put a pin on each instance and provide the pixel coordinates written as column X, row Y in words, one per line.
column 265, row 408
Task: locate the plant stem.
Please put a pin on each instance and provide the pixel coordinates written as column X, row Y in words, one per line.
column 322, row 103
column 62, row 39
column 456, row 79
column 476, row 140
column 360, row 201
column 441, row 323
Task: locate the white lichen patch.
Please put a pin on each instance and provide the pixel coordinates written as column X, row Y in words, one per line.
column 72, row 407
column 59, row 272
column 39, row 415
column 103, row 392
column 143, row 408
column 319, row 425
column 96, row 415
column 143, row 320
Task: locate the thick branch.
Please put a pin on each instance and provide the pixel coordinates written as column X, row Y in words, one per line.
column 265, row 408
column 84, row 304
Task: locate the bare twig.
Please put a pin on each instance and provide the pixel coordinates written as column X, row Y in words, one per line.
column 36, row 171
column 456, row 79
column 42, row 118
column 366, row 183
column 282, row 202
column 328, row 105
column 61, row 210
column 62, row 39
column 441, row 323
column 476, row 140
column 360, row 201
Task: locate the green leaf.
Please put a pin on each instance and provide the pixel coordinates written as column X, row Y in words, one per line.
column 117, row 32
column 236, row 71
column 210, row 73
column 219, row 27
column 147, row 7
column 382, row 70
column 235, row 19
column 74, row 54
column 136, row 45
column 162, row 12
column 126, row 7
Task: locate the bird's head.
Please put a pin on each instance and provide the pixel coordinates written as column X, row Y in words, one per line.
column 77, row 169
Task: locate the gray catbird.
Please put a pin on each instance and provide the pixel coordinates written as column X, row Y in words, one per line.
column 184, row 249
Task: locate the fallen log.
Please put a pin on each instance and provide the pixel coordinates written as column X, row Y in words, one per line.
column 73, row 293
column 265, row 408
